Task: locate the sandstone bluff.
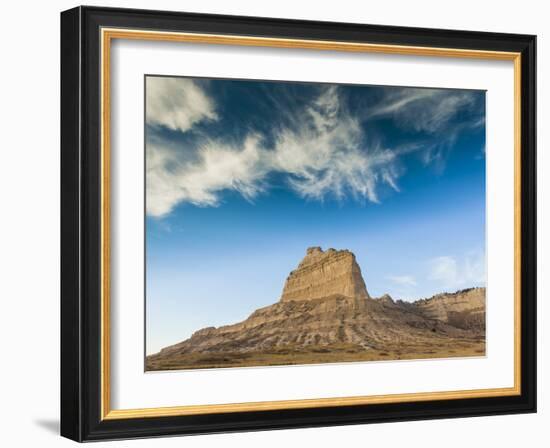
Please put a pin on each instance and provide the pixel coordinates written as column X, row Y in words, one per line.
column 325, row 314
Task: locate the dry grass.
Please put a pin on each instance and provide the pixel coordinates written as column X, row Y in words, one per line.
column 317, row 355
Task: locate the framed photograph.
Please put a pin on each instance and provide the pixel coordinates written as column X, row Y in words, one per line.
column 278, row 224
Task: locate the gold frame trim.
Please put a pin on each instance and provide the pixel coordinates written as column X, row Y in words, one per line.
column 107, row 35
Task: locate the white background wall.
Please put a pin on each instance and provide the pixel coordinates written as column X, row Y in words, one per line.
column 29, row 228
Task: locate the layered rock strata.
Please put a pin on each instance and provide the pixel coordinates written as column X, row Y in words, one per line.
column 324, row 274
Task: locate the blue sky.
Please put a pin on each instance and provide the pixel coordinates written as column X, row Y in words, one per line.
column 243, row 176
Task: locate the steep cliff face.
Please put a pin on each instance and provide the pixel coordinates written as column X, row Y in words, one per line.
column 324, row 274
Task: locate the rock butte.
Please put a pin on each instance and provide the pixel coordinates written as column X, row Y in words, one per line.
column 323, row 274
column 325, row 303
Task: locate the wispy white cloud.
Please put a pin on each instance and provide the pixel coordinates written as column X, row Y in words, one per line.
column 454, row 273
column 177, row 103
column 434, row 112
column 400, row 101
column 403, row 280
column 326, row 155
column 428, row 110
column 218, row 167
column 322, row 154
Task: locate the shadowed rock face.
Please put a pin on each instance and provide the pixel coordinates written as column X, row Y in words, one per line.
column 325, row 303
column 324, row 274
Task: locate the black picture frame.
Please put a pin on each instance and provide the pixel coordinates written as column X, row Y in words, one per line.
column 81, row 224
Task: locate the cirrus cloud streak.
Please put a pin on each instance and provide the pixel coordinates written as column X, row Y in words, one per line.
column 322, row 155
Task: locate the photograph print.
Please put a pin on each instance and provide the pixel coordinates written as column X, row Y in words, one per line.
column 292, row 223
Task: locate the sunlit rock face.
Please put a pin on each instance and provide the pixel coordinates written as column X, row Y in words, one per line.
column 324, row 274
